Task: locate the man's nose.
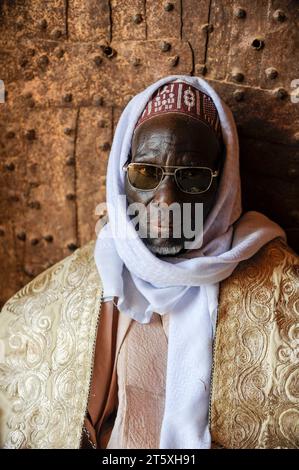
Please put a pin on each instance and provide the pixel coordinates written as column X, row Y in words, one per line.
column 167, row 192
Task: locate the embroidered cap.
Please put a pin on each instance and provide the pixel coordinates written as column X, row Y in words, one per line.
column 182, row 98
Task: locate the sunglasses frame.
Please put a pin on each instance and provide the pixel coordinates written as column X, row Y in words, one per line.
column 214, row 174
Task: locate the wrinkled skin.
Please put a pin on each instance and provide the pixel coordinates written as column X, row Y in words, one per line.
column 173, row 139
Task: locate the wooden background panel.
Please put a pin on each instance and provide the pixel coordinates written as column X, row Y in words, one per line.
column 11, row 71
column 13, row 202
column 195, row 29
column 88, row 21
column 261, row 113
column 13, row 179
column 281, row 53
column 163, row 19
column 248, row 42
column 278, row 160
column 269, row 175
column 92, row 149
column 282, row 47
column 10, row 279
column 37, row 191
column 37, row 19
column 128, row 20
column 259, row 45
column 89, row 74
column 70, row 68
column 50, row 219
column 141, row 60
column 219, row 39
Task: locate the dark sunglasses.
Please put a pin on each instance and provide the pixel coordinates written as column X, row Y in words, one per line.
column 189, row 179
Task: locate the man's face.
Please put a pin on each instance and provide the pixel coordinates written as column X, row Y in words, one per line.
column 175, row 140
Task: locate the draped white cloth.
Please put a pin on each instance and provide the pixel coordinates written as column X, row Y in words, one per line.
column 185, row 287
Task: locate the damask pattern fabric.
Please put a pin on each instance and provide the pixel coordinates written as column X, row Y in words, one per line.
column 255, row 395
column 48, row 332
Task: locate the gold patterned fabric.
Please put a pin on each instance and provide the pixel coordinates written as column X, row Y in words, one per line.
column 255, row 384
column 48, row 332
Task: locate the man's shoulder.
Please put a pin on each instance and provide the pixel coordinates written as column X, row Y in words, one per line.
column 69, row 274
column 47, row 333
column 264, row 281
column 255, row 352
column 276, row 259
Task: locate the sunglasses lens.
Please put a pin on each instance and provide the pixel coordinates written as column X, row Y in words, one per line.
column 144, row 176
column 194, row 180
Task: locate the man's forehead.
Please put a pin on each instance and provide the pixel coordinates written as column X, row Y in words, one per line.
column 172, row 129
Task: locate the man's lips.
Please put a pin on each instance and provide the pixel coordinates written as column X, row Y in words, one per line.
column 156, row 224
column 161, row 227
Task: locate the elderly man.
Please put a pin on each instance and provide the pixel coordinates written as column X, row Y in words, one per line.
column 152, row 337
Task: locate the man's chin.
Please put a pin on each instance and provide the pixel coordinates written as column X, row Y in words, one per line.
column 161, row 247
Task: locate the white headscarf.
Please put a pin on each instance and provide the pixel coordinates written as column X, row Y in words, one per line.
column 185, row 287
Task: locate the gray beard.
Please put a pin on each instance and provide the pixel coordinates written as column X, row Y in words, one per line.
column 165, row 250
